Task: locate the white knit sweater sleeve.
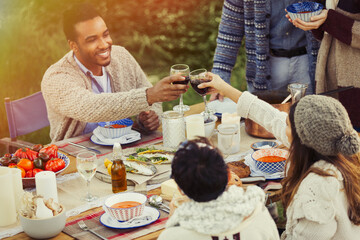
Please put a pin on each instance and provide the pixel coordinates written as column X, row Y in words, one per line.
column 311, row 215
column 249, row 106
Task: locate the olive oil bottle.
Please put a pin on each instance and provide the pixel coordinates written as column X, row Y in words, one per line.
column 118, row 171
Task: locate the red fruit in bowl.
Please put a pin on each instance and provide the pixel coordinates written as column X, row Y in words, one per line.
column 26, row 153
column 51, row 150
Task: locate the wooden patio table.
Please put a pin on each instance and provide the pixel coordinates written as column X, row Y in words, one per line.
column 194, row 109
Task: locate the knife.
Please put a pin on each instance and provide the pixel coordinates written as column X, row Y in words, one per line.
column 88, row 148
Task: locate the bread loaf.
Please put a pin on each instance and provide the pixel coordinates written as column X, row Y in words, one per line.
column 239, row 168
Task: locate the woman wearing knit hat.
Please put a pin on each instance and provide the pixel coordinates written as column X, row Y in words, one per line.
column 321, row 190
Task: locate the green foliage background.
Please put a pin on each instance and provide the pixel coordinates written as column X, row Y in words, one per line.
column 159, row 33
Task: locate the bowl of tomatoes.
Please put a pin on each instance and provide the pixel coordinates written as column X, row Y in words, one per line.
column 34, row 160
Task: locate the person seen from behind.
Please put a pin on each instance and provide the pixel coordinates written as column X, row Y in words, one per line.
column 214, row 211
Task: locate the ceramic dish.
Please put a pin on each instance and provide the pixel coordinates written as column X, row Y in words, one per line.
column 121, row 140
column 255, row 172
column 273, row 166
column 304, row 10
column 107, row 129
column 226, row 106
column 110, row 222
column 263, row 145
column 30, row 182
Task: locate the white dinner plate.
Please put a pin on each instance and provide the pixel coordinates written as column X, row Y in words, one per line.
column 111, row 142
column 153, row 214
column 226, row 106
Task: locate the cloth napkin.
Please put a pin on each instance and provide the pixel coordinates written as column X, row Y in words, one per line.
column 146, row 140
column 131, row 137
column 93, row 222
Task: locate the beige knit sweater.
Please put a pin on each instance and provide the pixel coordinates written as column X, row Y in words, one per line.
column 339, row 59
column 319, row 209
column 71, row 103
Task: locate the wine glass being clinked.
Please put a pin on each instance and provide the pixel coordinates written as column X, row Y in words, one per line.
column 197, row 77
column 184, row 70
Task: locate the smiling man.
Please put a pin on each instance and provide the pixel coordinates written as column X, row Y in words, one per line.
column 98, row 81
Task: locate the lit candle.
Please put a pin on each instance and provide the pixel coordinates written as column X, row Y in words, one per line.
column 46, row 185
column 7, row 206
column 195, row 126
column 230, row 118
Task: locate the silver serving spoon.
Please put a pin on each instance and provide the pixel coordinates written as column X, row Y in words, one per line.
column 156, row 201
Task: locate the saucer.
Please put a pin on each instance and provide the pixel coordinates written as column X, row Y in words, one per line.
column 109, row 222
column 121, row 140
column 226, row 106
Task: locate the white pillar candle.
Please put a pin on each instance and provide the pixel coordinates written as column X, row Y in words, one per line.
column 46, row 185
column 195, row 126
column 17, row 186
column 230, row 118
column 7, row 201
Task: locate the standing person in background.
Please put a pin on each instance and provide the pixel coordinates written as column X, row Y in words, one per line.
column 277, row 53
column 338, row 28
column 97, row 81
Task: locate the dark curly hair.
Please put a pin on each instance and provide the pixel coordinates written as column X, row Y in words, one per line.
column 77, row 13
column 199, row 170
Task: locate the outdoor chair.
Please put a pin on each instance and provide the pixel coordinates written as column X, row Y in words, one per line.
column 24, row 115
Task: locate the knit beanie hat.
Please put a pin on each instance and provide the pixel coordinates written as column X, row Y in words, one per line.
column 323, row 124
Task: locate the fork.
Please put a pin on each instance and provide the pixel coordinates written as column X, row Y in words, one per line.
column 83, row 226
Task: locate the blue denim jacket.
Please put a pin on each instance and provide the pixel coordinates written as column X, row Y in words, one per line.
column 284, row 35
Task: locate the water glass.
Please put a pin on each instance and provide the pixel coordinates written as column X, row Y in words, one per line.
column 229, row 138
column 173, row 127
column 86, row 163
column 297, row 91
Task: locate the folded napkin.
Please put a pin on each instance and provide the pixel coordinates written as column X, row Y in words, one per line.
column 131, row 137
column 255, row 172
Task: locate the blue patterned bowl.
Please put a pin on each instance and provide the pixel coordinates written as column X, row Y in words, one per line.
column 108, row 129
column 270, row 167
column 304, row 10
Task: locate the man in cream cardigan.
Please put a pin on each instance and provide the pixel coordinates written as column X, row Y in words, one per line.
column 97, row 82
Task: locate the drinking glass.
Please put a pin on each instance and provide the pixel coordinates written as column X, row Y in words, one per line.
column 86, row 164
column 197, row 77
column 297, row 91
column 184, row 70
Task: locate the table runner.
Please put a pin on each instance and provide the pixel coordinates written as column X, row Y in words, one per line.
column 92, row 220
column 152, row 138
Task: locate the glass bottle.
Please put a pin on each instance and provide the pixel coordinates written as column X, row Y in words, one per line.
column 118, row 171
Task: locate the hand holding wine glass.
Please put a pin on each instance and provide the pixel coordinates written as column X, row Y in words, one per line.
column 86, row 163
column 184, row 70
column 198, row 77
column 217, row 85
